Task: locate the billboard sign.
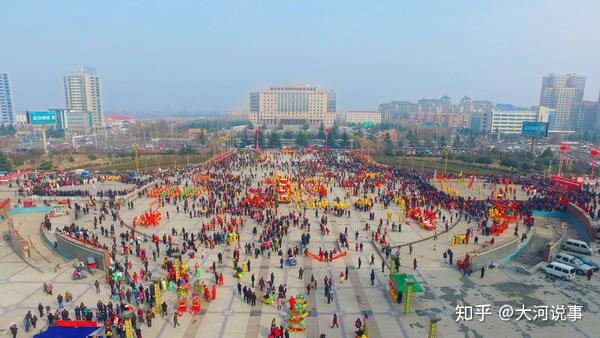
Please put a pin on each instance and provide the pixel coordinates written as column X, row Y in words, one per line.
column 41, row 117
column 535, row 129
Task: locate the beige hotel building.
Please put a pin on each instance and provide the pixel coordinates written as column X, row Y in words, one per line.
column 291, row 107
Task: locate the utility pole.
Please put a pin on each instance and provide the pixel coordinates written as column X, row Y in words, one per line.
column 446, row 150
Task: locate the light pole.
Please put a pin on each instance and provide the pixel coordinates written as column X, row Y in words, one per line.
column 326, row 139
column 446, row 150
column 257, row 135
column 563, row 150
column 594, row 153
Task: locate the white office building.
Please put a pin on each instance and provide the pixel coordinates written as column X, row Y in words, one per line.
column 7, row 115
column 363, row 117
column 292, row 107
column 83, row 93
column 511, row 121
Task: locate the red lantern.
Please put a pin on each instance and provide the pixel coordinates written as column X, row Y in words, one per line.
column 563, row 150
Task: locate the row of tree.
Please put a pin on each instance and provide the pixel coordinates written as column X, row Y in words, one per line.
column 301, row 137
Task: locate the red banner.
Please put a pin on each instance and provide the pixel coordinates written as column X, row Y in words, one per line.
column 14, row 175
column 566, row 183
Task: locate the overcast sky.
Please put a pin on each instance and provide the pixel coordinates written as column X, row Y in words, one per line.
column 207, row 55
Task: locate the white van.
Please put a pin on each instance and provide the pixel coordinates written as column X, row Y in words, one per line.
column 560, row 270
column 577, row 246
column 580, row 267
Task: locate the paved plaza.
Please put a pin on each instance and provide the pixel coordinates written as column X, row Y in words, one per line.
column 444, row 286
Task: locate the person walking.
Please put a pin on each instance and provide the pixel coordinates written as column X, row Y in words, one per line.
column 334, row 322
column 359, row 262
column 372, row 277
column 410, row 248
column 590, row 272
column 14, row 329
column 482, row 271
column 97, row 285
column 346, row 275
column 415, row 264
column 176, row 319
column 382, row 265
column 164, row 307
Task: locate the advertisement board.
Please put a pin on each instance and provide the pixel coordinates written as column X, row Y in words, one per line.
column 41, row 117
column 535, row 129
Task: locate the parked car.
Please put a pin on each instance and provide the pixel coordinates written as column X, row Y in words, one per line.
column 588, row 261
column 580, row 267
column 577, row 246
column 560, row 270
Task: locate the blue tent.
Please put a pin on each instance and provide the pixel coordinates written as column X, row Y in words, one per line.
column 67, row 332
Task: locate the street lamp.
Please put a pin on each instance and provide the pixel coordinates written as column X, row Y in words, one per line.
column 594, row 153
column 563, row 150
column 257, row 135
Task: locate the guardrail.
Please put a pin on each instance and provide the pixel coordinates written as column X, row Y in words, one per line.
column 19, row 245
column 82, row 251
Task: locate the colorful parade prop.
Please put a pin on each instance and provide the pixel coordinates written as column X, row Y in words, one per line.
column 298, row 314
column 150, row 218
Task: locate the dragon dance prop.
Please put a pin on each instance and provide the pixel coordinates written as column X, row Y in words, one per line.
column 148, row 219
column 298, row 315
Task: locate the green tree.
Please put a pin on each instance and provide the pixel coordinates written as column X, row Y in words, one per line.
column 5, row 164
column 301, row 139
column 187, row 150
column 457, row 143
column 92, row 157
column 345, row 140
column 250, row 125
column 321, row 132
column 274, row 140
column 387, row 143
column 305, row 125
column 334, row 135
column 442, row 141
column 246, row 141
column 46, row 165
column 9, row 130
column 201, row 137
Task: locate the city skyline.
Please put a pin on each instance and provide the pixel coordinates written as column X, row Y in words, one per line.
column 215, row 53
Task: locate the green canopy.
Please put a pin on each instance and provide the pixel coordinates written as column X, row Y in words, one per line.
column 400, row 281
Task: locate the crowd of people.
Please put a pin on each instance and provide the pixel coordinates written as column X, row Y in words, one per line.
column 222, row 213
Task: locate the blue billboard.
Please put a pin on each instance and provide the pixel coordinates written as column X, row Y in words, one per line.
column 535, row 129
column 41, row 117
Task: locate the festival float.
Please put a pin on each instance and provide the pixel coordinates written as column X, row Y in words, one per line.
column 298, row 314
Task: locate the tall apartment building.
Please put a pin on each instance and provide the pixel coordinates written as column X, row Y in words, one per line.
column 83, row 93
column 291, row 107
column 7, row 115
column 563, row 93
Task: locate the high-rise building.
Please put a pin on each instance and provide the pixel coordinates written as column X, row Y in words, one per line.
column 83, row 94
column 7, row 115
column 291, row 107
column 563, row 93
column 587, row 115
